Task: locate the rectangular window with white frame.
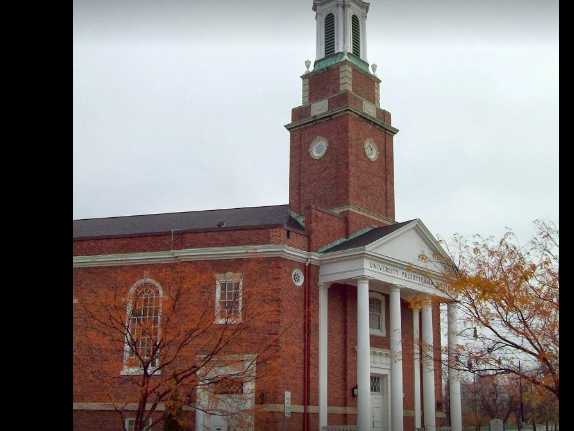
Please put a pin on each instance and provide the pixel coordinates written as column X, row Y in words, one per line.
column 377, row 314
column 228, row 298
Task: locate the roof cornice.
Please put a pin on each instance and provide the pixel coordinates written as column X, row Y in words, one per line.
column 194, row 254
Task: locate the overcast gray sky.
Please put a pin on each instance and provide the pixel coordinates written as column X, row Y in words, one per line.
column 180, row 105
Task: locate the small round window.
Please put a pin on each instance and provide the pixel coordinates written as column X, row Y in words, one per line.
column 297, row 277
column 318, row 147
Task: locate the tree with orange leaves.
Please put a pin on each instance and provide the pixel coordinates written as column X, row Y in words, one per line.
column 540, row 407
column 508, row 296
column 176, row 357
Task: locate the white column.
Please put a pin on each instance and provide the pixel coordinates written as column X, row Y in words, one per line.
column 323, row 353
column 347, row 30
column 320, row 24
column 340, row 29
column 396, row 361
column 428, row 369
column 364, row 37
column 453, row 377
column 363, row 357
column 417, row 367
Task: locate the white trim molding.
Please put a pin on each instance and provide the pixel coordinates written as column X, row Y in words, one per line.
column 194, row 254
column 364, row 212
column 279, row 408
column 131, row 407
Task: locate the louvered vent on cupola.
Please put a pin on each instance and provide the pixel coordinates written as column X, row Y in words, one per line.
column 356, row 29
column 329, row 34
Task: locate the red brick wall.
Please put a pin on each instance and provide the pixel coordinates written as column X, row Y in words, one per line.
column 356, row 221
column 197, row 239
column 264, row 280
column 323, row 227
column 371, row 183
column 344, row 176
column 324, row 84
column 365, row 85
column 300, row 113
column 297, row 240
column 324, row 182
column 268, row 280
column 384, row 115
column 293, row 345
column 89, row 247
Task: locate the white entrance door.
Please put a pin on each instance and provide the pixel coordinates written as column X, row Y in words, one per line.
column 378, row 419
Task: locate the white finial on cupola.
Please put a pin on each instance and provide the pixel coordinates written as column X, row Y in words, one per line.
column 374, row 68
column 307, row 64
column 341, row 27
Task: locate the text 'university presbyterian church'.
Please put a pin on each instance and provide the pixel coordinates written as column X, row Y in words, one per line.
column 284, row 317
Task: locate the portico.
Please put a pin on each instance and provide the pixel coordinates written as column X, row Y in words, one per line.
column 388, row 260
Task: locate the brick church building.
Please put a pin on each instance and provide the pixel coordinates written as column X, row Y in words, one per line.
column 335, row 266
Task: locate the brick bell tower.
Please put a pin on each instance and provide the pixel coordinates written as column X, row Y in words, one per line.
column 341, row 149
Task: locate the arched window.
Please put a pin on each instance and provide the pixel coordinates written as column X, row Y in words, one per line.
column 356, row 30
column 143, row 324
column 377, row 313
column 329, row 34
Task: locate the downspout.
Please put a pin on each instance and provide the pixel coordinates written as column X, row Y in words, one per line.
column 306, row 365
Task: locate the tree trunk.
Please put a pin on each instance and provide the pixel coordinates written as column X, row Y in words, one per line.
column 546, row 425
column 533, row 425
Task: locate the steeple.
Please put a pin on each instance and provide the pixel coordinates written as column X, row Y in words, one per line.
column 341, row 31
column 341, row 151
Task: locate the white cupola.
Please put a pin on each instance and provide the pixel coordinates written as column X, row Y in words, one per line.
column 341, row 27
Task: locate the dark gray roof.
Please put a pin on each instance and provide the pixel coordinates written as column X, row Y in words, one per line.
column 191, row 220
column 367, row 237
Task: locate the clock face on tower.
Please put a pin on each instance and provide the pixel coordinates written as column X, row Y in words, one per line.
column 371, row 150
column 318, row 147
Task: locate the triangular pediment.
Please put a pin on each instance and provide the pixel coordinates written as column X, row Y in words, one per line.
column 412, row 244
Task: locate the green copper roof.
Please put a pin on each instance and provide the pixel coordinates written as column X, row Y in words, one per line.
column 338, row 57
